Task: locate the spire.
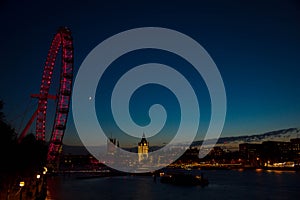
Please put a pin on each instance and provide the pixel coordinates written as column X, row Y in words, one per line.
column 143, row 135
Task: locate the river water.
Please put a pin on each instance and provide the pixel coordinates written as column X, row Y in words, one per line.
column 223, row 184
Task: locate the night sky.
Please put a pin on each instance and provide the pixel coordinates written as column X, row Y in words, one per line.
column 255, row 45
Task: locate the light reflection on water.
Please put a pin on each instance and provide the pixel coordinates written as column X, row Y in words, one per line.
column 224, row 184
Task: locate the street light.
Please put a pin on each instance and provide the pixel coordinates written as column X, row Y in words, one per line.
column 21, row 184
column 37, row 185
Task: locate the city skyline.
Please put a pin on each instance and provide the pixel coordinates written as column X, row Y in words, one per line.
column 254, row 45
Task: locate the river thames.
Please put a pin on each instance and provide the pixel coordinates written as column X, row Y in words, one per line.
column 223, row 184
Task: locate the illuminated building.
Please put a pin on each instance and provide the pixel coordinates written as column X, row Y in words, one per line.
column 276, row 151
column 112, row 145
column 251, row 153
column 295, row 145
column 143, row 148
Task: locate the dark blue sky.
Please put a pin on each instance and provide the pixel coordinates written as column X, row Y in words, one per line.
column 255, row 45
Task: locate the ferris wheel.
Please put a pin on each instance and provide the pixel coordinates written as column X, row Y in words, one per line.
column 62, row 41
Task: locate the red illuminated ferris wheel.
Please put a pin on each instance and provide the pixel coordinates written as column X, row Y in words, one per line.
column 62, row 40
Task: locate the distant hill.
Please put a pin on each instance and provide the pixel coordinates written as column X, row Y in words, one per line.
column 280, row 135
column 230, row 143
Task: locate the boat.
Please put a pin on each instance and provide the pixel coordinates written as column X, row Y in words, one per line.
column 187, row 179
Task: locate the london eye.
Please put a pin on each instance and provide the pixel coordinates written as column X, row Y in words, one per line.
column 62, row 41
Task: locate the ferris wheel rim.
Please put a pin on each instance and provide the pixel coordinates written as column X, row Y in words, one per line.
column 61, row 40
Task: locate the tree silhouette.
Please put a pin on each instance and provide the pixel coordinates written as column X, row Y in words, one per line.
column 7, row 143
column 22, row 159
column 32, row 155
column 1, row 113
